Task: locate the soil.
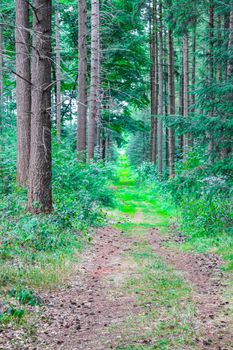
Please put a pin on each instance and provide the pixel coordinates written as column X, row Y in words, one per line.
column 203, row 272
column 80, row 315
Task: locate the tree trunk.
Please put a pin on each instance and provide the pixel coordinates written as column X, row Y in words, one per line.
column 94, row 77
column 172, row 106
column 58, row 73
column 82, row 82
column 154, row 82
column 40, row 175
column 160, row 107
column 1, row 112
column 186, row 85
column 23, row 90
column 211, row 76
column 230, row 46
column 181, row 103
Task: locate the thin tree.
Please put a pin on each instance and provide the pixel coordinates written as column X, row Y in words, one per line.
column 230, row 46
column 23, row 90
column 186, row 84
column 40, row 174
column 58, row 72
column 82, row 81
column 211, row 74
column 172, row 105
column 160, row 107
column 154, row 81
column 1, row 109
column 94, row 100
column 1, row 73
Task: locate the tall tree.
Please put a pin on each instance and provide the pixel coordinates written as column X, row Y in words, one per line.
column 1, row 73
column 58, row 72
column 40, row 174
column 94, row 99
column 211, row 74
column 160, row 107
column 172, row 105
column 154, row 81
column 230, row 48
column 82, row 81
column 23, row 90
column 186, row 84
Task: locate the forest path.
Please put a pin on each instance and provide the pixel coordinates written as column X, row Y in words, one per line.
column 135, row 289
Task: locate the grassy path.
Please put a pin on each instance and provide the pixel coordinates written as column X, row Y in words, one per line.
column 132, row 291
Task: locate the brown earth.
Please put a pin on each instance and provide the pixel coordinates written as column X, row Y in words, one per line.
column 80, row 315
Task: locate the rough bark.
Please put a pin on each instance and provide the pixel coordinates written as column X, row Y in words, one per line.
column 1, row 112
column 154, row 82
column 230, row 48
column 82, row 82
column 211, row 76
column 94, row 77
column 160, row 107
column 186, row 85
column 23, row 90
column 172, row 106
column 40, row 192
column 58, row 73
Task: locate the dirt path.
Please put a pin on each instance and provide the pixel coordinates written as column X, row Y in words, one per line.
column 87, row 313
column 203, row 272
column 80, row 316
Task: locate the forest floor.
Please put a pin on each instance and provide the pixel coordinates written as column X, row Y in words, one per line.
column 135, row 288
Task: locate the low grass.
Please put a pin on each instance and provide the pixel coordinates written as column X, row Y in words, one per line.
column 167, row 311
column 164, row 298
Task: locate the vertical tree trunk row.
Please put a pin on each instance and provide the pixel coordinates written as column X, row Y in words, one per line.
column 23, row 90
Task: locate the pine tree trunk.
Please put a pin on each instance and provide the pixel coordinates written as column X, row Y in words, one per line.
column 1, row 112
column 181, row 104
column 82, row 82
column 154, row 82
column 211, row 76
column 194, row 68
column 23, row 90
column 58, row 73
column 230, row 46
column 172, row 106
column 94, row 77
column 40, row 175
column 186, row 85
column 160, row 107
column 1, row 75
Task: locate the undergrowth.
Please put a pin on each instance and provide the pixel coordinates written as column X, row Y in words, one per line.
column 38, row 251
column 204, row 204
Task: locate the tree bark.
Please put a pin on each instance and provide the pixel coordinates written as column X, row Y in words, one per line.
column 186, row 85
column 160, row 107
column 1, row 112
column 40, row 174
column 82, row 82
column 230, row 46
column 58, row 73
column 23, row 90
column 172, row 105
column 94, row 77
column 154, row 82
column 211, row 75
